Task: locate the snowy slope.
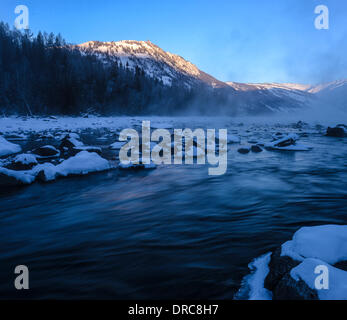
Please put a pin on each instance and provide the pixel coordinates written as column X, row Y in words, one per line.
column 156, row 62
column 329, row 87
column 272, row 97
column 247, row 98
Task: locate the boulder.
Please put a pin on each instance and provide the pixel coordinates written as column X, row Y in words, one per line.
column 86, row 148
column 23, row 162
column 243, row 150
column 47, row 152
column 14, row 178
column 256, row 149
column 71, row 145
column 289, row 289
column 136, row 167
column 337, row 132
column 7, row 148
column 70, row 142
column 282, row 285
column 8, row 180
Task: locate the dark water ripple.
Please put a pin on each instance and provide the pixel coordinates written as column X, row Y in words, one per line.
column 173, row 232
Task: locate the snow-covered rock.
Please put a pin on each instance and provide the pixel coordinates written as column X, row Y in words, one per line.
column 45, row 172
column 328, row 243
column 244, row 150
column 25, row 161
column 7, row 148
column 69, row 142
column 287, row 143
column 136, row 166
column 290, row 273
column 14, row 178
column 82, row 163
column 337, row 132
column 46, row 152
column 256, row 149
column 305, row 271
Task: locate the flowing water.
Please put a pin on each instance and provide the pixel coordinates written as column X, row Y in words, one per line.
column 172, row 232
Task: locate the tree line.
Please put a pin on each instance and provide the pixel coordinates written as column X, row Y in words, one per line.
column 42, row 75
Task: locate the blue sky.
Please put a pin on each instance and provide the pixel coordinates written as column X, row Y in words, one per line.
column 244, row 40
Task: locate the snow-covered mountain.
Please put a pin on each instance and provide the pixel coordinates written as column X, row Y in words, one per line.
column 331, row 94
column 245, row 97
column 272, row 97
column 286, row 96
column 329, row 87
column 156, row 62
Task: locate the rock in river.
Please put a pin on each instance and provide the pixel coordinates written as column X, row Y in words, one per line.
column 337, row 132
column 47, row 152
column 23, row 162
column 256, row 149
column 243, row 150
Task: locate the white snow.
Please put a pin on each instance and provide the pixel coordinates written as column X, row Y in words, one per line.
column 337, row 279
column 82, row 163
column 320, row 245
column 22, row 176
column 76, row 142
column 49, row 169
column 274, row 145
column 253, row 284
column 7, row 148
column 25, row 158
column 312, row 246
column 328, row 243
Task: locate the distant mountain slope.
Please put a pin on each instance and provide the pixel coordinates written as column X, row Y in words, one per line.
column 329, row 87
column 272, row 97
column 331, row 94
column 249, row 98
column 156, row 62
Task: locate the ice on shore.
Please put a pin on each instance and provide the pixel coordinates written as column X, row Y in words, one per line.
column 7, row 148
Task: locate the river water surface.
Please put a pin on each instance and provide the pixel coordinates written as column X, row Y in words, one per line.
column 170, row 233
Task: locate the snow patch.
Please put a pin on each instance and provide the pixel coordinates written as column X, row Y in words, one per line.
column 327, row 243
column 252, row 286
column 7, row 148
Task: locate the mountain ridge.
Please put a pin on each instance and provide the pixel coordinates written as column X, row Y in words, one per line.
column 174, row 69
column 156, row 62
